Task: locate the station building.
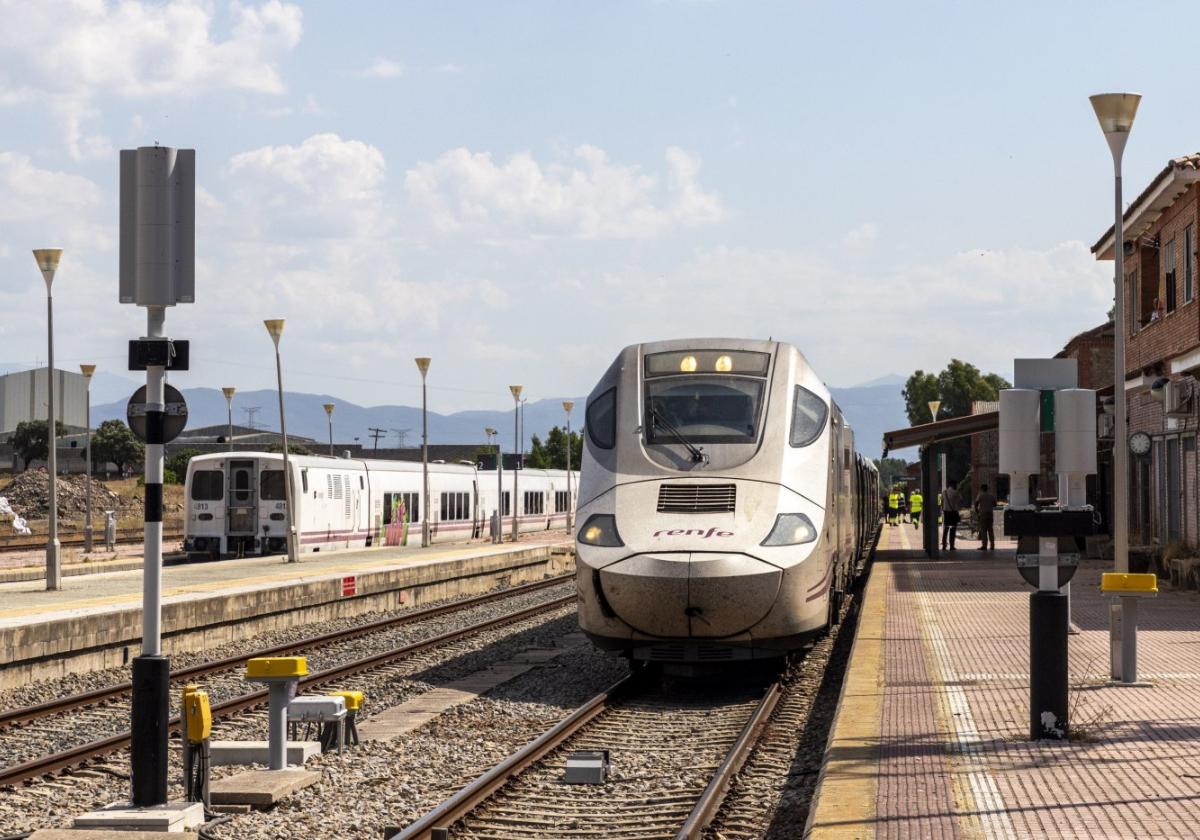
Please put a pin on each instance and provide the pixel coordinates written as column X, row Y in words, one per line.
column 1162, row 356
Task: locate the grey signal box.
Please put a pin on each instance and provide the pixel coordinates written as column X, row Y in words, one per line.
column 158, row 226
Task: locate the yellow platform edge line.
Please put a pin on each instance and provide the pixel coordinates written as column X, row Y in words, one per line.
column 844, row 801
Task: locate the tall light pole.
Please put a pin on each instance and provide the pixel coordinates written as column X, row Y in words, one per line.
column 423, row 366
column 516, row 395
column 329, row 413
column 47, row 262
column 275, row 330
column 87, row 371
column 1116, row 111
column 229, row 391
column 567, row 406
column 498, row 530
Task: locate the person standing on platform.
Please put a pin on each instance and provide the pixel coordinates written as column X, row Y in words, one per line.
column 950, row 505
column 903, row 506
column 893, row 507
column 915, row 502
column 985, row 508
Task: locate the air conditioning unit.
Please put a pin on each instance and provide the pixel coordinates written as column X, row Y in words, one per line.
column 1106, row 426
column 1178, row 401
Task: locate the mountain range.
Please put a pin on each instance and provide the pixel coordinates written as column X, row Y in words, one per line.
column 871, row 409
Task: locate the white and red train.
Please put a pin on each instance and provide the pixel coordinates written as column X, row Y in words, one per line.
column 236, row 504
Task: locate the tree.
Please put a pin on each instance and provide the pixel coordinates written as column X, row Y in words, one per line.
column 552, row 455
column 889, row 470
column 176, row 466
column 31, row 439
column 114, row 442
column 959, row 385
column 293, row 448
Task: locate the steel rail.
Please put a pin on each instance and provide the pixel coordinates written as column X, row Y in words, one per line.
column 125, row 536
column 474, row 794
column 24, row 714
column 713, row 797
column 228, row 708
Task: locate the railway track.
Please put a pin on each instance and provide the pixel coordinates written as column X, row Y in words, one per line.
column 673, row 757
column 48, row 715
column 125, row 536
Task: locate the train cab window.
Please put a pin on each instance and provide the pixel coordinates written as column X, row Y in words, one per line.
column 208, row 485
column 808, row 417
column 602, row 419
column 271, row 485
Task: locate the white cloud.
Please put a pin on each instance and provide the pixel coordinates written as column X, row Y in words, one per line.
column 861, row 237
column 588, row 198
column 450, row 68
column 29, row 193
column 71, row 51
column 383, row 68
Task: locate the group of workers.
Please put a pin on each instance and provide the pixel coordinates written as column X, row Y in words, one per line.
column 902, row 508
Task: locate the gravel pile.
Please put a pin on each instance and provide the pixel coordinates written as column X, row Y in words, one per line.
column 29, row 495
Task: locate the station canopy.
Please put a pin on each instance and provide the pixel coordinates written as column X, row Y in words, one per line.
column 942, row 430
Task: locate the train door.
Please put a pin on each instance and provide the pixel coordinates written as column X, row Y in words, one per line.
column 242, row 526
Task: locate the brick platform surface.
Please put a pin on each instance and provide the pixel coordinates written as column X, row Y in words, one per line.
column 948, row 756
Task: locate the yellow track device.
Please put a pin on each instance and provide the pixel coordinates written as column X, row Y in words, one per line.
column 276, row 667
column 197, row 715
column 354, row 699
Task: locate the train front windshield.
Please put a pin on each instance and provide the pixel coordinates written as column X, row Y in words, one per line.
column 704, row 396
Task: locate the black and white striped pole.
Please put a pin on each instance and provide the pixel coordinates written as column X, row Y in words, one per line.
column 157, row 270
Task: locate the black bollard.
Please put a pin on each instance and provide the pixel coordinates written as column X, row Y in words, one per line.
column 1048, row 676
column 148, row 731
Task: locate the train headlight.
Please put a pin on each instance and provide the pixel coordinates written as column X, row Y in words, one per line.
column 601, row 530
column 791, row 529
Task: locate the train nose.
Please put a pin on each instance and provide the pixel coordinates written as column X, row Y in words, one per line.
column 690, row 595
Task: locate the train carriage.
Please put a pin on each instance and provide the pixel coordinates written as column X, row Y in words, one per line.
column 723, row 509
column 236, row 505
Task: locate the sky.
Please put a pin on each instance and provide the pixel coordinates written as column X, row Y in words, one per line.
column 520, row 189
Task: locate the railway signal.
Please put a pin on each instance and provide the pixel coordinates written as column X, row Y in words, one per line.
column 157, row 270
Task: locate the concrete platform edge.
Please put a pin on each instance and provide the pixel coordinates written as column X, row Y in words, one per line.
column 844, row 800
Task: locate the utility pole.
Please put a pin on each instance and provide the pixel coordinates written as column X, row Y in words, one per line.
column 375, row 435
column 401, row 437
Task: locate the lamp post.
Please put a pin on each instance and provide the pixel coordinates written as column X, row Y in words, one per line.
column 47, row 261
column 87, row 371
column 1116, row 111
column 516, row 395
column 275, row 330
column 423, row 366
column 229, row 391
column 329, row 413
column 497, row 530
column 567, row 406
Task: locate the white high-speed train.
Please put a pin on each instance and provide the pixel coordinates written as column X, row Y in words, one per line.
column 236, row 504
column 723, row 510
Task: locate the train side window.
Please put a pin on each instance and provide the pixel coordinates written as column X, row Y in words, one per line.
column 808, row 417
column 208, row 485
column 602, row 419
column 304, row 481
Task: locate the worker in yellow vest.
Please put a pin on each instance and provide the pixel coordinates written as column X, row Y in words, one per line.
column 915, row 502
column 893, row 507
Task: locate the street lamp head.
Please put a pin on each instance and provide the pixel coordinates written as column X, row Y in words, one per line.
column 329, row 409
column 423, row 365
column 274, row 328
column 1115, row 111
column 489, row 431
column 516, row 392
column 47, row 262
column 934, row 405
column 568, row 405
column 87, row 370
column 228, row 391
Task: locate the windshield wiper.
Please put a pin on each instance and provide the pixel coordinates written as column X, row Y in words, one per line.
column 698, row 456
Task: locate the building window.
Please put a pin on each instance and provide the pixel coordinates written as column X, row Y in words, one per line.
column 1132, row 312
column 1189, row 264
column 1169, row 275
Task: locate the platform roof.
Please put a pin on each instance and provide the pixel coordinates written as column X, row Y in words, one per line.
column 942, row 430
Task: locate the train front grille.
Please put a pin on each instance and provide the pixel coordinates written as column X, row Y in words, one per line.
column 697, row 498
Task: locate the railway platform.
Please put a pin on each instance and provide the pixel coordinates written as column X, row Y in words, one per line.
column 931, row 736
column 95, row 621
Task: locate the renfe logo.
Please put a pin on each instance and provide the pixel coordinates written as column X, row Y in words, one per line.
column 694, row 532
